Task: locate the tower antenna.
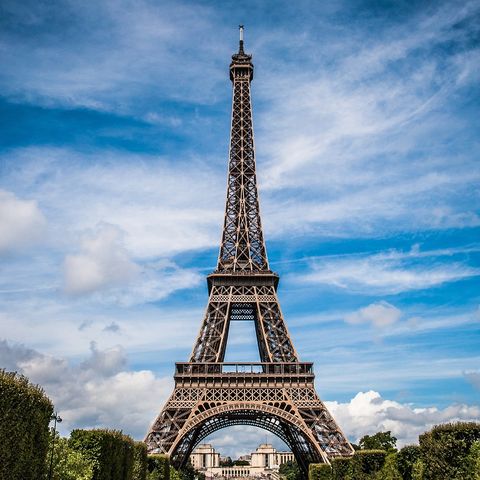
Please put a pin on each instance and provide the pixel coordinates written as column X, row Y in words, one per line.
column 240, row 28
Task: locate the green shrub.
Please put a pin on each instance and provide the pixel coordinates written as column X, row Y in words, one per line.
column 418, row 470
column 389, row 470
column 473, row 462
column 68, row 464
column 366, row 463
column 158, row 467
column 174, row 475
column 341, row 468
column 380, row 441
column 25, row 413
column 110, row 451
column 319, row 471
column 139, row 461
column 445, row 449
column 406, row 458
column 290, row 470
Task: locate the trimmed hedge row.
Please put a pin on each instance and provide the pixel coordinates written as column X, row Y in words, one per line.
column 139, row 461
column 364, row 465
column 110, row 451
column 341, row 468
column 319, row 471
column 446, row 449
column 25, row 413
column 158, row 467
column 406, row 459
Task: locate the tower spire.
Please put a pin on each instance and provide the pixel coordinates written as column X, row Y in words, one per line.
column 242, row 248
column 240, row 28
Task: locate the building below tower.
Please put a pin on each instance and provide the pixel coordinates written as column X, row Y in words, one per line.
column 264, row 462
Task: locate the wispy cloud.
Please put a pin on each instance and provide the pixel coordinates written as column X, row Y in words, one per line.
column 102, row 262
column 161, row 210
column 21, row 222
column 380, row 314
column 388, row 272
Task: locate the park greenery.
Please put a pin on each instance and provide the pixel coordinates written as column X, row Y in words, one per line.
column 29, row 450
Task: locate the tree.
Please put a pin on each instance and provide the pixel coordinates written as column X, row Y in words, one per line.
column 473, row 462
column 380, row 441
column 227, row 462
column 241, row 463
column 188, row 472
column 406, row 458
column 390, row 468
column 418, row 470
column 290, row 470
column 68, row 464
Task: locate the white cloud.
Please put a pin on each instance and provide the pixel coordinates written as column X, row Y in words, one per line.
column 388, row 272
column 104, row 266
column 102, row 262
column 381, row 314
column 368, row 413
column 98, row 392
column 242, row 440
column 473, row 378
column 160, row 210
column 21, row 222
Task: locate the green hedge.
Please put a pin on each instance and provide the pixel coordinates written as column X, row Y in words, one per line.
column 158, row 467
column 67, row 463
column 139, row 461
column 319, row 471
column 473, row 461
column 25, row 413
column 366, row 463
column 390, row 470
column 406, row 458
column 110, row 451
column 445, row 450
column 341, row 467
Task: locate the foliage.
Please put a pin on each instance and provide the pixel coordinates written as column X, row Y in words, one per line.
column 445, row 449
column 417, row 470
column 188, row 472
column 159, row 467
column 319, row 471
column 473, row 462
column 341, row 468
column 290, row 470
column 366, row 463
column 174, row 475
column 406, row 458
column 110, row 451
column 68, row 464
column 380, row 441
column 139, row 461
column 226, row 463
column 241, row 463
column 25, row 413
column 389, row 470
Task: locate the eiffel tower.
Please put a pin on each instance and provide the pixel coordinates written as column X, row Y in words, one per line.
column 276, row 394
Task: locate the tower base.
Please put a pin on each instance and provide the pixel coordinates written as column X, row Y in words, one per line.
column 278, row 397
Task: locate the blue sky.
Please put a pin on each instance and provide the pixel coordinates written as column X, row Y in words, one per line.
column 114, row 141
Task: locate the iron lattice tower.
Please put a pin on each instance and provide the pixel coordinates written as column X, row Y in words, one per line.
column 276, row 394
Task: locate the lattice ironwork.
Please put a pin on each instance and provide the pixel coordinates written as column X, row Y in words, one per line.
column 276, row 394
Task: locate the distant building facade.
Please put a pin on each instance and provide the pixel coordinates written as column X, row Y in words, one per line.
column 264, row 462
column 204, row 457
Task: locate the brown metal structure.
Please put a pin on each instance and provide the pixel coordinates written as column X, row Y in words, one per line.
column 276, row 394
